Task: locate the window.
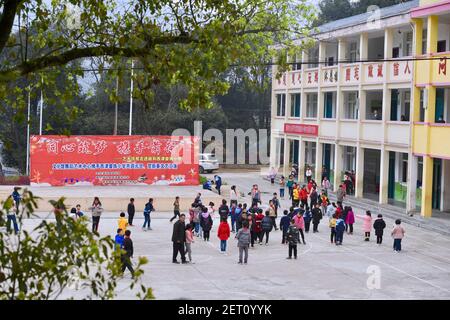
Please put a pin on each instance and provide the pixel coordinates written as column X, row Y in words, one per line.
column 408, row 44
column 422, row 110
column 313, row 57
column 395, row 52
column 441, row 46
column 281, row 105
column 295, row 105
column 406, row 106
column 424, row 41
column 297, row 62
column 353, row 52
column 349, row 158
column 351, row 105
column 311, row 105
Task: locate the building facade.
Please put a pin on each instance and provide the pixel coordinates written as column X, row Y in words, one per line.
column 431, row 131
column 359, row 109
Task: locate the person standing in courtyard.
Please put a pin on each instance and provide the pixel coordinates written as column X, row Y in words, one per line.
column 234, row 196
column 178, row 239
column 147, row 211
column 379, row 226
column 349, row 221
column 313, row 198
column 224, row 210
column 303, row 196
column 131, row 211
column 78, row 212
column 244, row 238
column 332, row 224
column 267, row 226
column 308, row 174
column 256, row 195
column 118, row 240
column 340, row 228
column 273, row 211
column 292, row 238
column 290, row 185
column 272, row 175
column 96, row 210
column 300, row 224
column 11, row 218
column 122, row 222
column 316, row 217
column 282, row 187
column 307, row 217
column 295, row 195
column 223, row 233
column 326, row 185
column 258, row 225
column 206, row 223
column 16, row 197
column 218, row 183
column 189, row 241
column 398, row 233
column 126, row 257
column 367, row 224
column 340, row 194
column 176, row 208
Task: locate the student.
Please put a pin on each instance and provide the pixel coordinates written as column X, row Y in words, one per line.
column 290, row 185
column 300, row 224
column 11, row 217
column 398, row 233
column 349, row 221
column 233, row 217
column 223, row 233
column 78, row 212
column 308, row 174
column 316, row 217
column 273, row 212
column 233, row 196
column 147, row 211
column 252, row 226
column 96, row 210
column 266, row 225
column 178, row 239
column 326, row 185
column 122, row 222
column 258, row 225
column 244, row 238
column 331, row 210
column 176, row 208
column 224, row 211
column 118, row 240
column 307, row 217
column 379, row 226
column 367, row 224
column 256, row 195
column 131, row 211
column 282, row 186
column 333, row 228
column 73, row 213
column 16, row 197
column 340, row 228
column 189, row 241
column 292, row 238
column 218, row 182
column 303, row 193
column 126, row 257
column 206, row 223
column 237, row 216
column 197, row 211
column 285, row 222
column 313, row 198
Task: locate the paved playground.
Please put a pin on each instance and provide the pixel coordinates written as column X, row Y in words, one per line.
column 355, row 270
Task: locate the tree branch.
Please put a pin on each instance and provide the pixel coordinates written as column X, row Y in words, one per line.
column 7, row 20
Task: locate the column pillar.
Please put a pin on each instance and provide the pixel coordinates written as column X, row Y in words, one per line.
column 319, row 157
column 412, row 183
column 384, row 174
column 427, row 187
column 337, row 166
column 273, row 150
column 359, row 172
column 286, row 157
column 301, row 160
column 445, row 185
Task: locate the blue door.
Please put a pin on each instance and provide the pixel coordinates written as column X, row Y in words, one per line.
column 394, row 101
column 329, row 105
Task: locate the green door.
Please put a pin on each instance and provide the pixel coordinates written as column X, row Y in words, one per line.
column 437, row 174
column 394, row 102
column 327, row 158
column 439, row 103
column 391, row 177
column 328, row 105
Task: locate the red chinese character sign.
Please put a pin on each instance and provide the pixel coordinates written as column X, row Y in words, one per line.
column 301, row 129
column 114, row 160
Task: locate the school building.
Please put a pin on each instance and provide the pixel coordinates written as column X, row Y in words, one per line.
column 386, row 120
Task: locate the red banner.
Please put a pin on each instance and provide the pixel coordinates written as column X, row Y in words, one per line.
column 302, row 129
column 113, row 160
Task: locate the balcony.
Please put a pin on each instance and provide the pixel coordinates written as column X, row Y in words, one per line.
column 400, row 71
column 371, row 131
column 329, row 76
column 438, row 142
column 348, row 129
column 311, row 78
column 440, row 76
column 398, row 133
column 351, row 74
column 294, row 79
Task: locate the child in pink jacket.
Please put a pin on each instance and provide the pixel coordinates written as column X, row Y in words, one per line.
column 300, row 224
column 367, row 224
column 349, row 220
column 398, row 233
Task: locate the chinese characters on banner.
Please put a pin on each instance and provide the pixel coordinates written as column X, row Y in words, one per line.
column 301, row 129
column 113, row 160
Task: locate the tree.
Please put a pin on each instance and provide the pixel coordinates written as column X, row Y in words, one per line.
column 188, row 42
column 53, row 259
column 331, row 10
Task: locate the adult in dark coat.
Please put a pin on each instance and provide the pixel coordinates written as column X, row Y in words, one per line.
column 224, row 210
column 316, row 217
column 178, row 239
column 314, row 197
column 131, row 211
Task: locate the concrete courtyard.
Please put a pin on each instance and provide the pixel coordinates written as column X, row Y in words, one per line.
column 355, row 270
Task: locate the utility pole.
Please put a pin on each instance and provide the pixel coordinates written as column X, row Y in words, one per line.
column 131, row 98
column 117, row 105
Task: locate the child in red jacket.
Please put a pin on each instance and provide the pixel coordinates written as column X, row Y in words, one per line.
column 223, row 233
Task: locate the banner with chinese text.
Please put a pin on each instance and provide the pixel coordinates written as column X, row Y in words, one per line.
column 113, row 160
